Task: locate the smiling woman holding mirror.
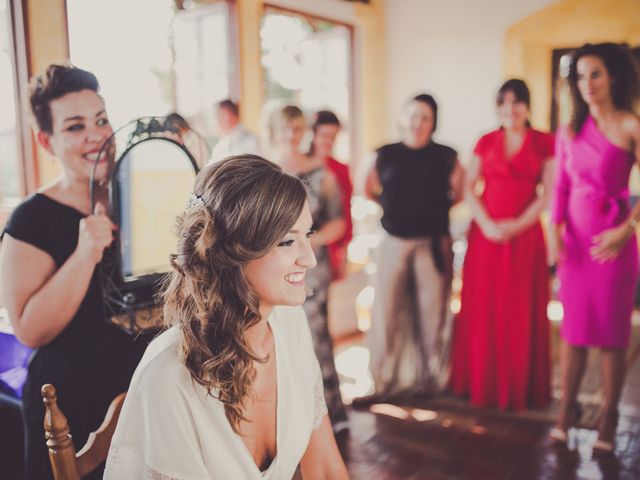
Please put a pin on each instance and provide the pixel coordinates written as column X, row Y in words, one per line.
column 50, row 248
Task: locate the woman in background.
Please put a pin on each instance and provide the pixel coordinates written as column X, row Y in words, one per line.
column 288, row 128
column 594, row 228
column 325, row 128
column 416, row 181
column 500, row 354
column 56, row 241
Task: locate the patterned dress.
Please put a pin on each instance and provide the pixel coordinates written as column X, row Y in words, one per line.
column 325, row 204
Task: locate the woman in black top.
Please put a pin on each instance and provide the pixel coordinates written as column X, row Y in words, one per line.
column 49, row 252
column 415, row 181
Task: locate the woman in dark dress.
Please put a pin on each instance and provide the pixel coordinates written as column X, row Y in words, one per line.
column 50, row 286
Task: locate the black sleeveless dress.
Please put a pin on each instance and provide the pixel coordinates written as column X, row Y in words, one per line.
column 90, row 361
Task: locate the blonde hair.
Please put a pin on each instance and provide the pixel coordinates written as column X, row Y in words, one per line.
column 282, row 117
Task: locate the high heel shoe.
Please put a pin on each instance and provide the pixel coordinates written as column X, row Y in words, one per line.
column 560, row 436
column 604, row 446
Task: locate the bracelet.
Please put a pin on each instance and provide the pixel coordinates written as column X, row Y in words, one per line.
column 633, row 223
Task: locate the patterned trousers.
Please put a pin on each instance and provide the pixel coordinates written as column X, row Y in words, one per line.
column 316, row 309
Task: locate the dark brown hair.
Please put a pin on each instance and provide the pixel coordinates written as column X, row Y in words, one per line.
column 229, row 105
column 177, row 121
column 322, row 117
column 56, row 82
column 429, row 100
column 520, row 91
column 623, row 70
column 248, row 206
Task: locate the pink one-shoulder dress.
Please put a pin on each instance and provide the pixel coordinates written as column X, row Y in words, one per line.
column 592, row 195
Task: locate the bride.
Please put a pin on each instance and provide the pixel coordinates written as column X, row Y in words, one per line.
column 232, row 389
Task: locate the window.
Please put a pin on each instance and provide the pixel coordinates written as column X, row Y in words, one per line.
column 161, row 60
column 129, row 50
column 205, row 69
column 12, row 169
column 307, row 62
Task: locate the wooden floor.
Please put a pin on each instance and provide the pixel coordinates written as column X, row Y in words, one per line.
column 441, row 439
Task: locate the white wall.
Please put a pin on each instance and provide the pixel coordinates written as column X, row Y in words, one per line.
column 333, row 9
column 453, row 50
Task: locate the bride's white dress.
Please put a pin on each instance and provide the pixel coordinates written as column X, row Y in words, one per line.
column 170, row 428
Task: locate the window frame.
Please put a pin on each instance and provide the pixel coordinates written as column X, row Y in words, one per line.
column 18, row 50
column 353, row 125
column 233, row 41
column 556, row 84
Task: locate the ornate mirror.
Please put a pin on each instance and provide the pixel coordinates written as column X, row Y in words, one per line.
column 148, row 187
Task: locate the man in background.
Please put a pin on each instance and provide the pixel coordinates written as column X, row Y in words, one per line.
column 235, row 139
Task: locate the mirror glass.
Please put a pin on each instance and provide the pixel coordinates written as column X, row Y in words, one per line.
column 151, row 188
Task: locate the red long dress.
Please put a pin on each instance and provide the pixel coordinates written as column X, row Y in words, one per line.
column 500, row 353
column 338, row 249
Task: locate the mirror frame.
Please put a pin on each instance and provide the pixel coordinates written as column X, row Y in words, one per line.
column 131, row 304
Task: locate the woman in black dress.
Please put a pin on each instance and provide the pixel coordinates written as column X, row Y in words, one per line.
column 48, row 256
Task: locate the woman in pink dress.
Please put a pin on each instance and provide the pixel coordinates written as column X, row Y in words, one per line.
column 594, row 228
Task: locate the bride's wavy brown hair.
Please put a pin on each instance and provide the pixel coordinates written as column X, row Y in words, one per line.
column 248, row 206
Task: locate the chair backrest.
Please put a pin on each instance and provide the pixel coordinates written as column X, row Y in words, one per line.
column 65, row 462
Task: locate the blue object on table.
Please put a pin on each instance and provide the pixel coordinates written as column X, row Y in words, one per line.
column 14, row 362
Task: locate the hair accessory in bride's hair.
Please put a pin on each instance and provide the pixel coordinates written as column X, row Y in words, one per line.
column 195, row 200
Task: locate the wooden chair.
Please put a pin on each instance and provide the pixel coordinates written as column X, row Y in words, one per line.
column 65, row 462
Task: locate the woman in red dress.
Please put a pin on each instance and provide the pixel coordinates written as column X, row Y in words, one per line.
column 325, row 128
column 500, row 355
